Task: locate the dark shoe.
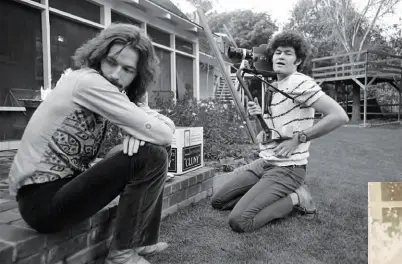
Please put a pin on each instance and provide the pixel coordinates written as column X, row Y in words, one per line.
column 306, row 204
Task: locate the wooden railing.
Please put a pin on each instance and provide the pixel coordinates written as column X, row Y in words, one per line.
column 358, row 65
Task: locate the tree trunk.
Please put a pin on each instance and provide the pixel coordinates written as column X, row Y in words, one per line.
column 356, row 104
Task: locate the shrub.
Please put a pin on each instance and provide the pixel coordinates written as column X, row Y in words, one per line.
column 224, row 132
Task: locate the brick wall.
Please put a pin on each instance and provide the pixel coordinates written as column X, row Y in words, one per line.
column 88, row 241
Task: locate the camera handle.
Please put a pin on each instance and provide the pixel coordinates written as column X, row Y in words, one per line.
column 268, row 132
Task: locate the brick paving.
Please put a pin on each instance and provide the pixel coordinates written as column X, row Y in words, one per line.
column 6, row 158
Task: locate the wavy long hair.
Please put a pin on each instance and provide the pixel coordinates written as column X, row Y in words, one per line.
column 96, row 49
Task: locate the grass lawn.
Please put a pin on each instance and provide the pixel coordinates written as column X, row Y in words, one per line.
column 340, row 166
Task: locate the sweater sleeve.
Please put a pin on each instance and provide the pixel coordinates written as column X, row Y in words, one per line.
column 95, row 93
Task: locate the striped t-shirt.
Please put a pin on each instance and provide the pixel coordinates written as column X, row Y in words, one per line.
column 289, row 117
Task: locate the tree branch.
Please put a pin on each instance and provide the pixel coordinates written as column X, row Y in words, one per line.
column 371, row 25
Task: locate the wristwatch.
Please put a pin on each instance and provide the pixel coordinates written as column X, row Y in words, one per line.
column 302, row 137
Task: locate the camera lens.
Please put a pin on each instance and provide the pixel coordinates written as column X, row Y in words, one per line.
column 238, row 53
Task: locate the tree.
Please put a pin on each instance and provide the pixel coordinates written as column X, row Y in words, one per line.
column 336, row 26
column 249, row 29
column 353, row 30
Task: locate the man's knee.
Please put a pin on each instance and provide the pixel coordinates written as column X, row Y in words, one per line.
column 239, row 223
column 114, row 150
column 216, row 202
column 156, row 152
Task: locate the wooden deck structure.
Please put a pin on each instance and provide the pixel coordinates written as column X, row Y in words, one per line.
column 364, row 68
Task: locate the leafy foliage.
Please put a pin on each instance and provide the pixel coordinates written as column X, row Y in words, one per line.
column 224, row 133
column 249, row 29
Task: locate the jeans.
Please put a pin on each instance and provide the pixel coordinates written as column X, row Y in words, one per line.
column 258, row 193
column 138, row 179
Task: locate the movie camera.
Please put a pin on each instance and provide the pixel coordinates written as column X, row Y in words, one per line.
column 259, row 63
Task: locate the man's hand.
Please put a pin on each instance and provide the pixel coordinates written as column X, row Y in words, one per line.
column 131, row 145
column 286, row 147
column 254, row 108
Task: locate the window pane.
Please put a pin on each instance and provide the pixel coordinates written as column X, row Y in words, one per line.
column 65, row 37
column 208, row 79
column 158, row 36
column 21, row 69
column 184, row 45
column 184, row 77
column 117, row 17
column 79, row 8
column 19, row 57
column 162, row 88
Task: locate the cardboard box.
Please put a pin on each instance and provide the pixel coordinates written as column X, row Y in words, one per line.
column 187, row 150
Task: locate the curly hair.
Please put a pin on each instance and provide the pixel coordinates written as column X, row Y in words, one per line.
column 290, row 39
column 96, row 49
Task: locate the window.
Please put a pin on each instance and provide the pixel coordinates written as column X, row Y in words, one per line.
column 21, row 61
column 184, row 45
column 158, row 36
column 120, row 18
column 79, row 8
column 207, row 80
column 184, row 77
column 65, row 37
column 162, row 88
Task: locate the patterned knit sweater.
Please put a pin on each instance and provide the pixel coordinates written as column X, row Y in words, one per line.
column 289, row 117
column 64, row 134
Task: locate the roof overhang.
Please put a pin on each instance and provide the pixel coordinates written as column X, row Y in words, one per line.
column 156, row 10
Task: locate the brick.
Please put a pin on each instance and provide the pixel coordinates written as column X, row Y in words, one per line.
column 39, row 258
column 184, row 183
column 88, row 254
column 167, row 190
column 176, row 187
column 100, row 233
column 21, row 223
column 209, row 174
column 209, row 183
column 56, row 238
column 194, row 189
column 26, row 242
column 177, row 197
column 185, row 203
column 200, row 177
column 210, row 192
column 165, row 202
column 6, row 253
column 200, row 196
column 8, row 217
column 171, row 210
column 8, row 205
column 66, row 249
column 192, row 180
column 100, row 217
column 82, row 227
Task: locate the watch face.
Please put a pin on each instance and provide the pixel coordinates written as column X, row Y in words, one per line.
column 302, row 138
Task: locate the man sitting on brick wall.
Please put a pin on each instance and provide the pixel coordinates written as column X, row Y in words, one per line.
column 51, row 176
column 270, row 187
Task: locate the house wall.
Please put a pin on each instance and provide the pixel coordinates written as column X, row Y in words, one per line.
column 38, row 48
